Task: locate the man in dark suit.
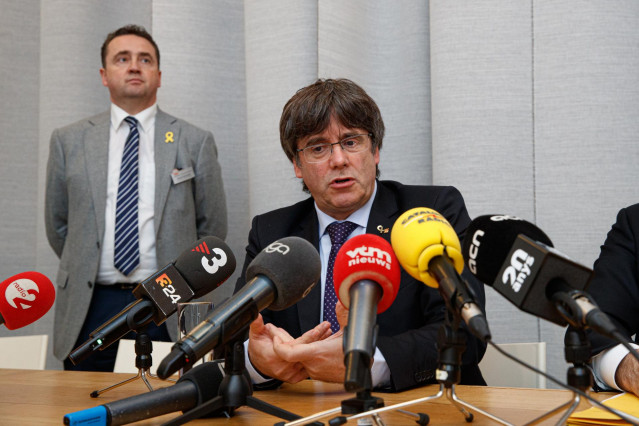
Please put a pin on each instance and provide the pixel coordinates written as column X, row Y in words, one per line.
column 177, row 196
column 332, row 132
column 615, row 288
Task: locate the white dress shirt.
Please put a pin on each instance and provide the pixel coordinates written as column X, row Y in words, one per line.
column 605, row 364
column 119, row 131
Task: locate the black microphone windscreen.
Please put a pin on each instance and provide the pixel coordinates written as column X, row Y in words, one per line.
column 207, row 378
column 207, row 265
column 292, row 264
column 489, row 239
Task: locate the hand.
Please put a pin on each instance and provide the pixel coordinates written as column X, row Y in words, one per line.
column 342, row 315
column 319, row 332
column 262, row 356
column 322, row 359
column 627, row 374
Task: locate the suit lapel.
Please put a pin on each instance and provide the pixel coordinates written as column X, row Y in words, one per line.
column 383, row 213
column 309, row 307
column 96, row 148
column 165, row 154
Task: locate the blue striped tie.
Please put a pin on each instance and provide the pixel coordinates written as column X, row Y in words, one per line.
column 126, row 255
column 338, row 233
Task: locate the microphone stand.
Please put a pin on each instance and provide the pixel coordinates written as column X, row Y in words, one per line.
column 576, row 351
column 361, row 382
column 451, row 345
column 362, row 405
column 235, row 391
column 143, row 361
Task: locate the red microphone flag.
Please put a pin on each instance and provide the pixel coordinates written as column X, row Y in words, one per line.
column 367, row 257
column 24, row 298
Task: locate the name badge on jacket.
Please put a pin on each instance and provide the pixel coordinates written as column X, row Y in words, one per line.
column 182, row 175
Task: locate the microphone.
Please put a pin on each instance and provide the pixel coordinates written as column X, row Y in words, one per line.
column 517, row 259
column 279, row 276
column 428, row 248
column 25, row 298
column 194, row 388
column 366, row 276
column 198, row 270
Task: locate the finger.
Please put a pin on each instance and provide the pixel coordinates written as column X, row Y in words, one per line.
column 291, row 352
column 319, row 332
column 342, row 314
column 282, row 350
column 257, row 325
column 339, row 333
column 324, row 329
column 280, row 332
column 327, row 333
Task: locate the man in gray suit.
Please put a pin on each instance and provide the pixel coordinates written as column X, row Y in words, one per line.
column 176, row 191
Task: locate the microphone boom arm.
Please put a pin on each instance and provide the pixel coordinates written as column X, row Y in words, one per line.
column 459, row 299
column 138, row 315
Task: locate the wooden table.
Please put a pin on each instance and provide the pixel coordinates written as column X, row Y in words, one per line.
column 35, row 397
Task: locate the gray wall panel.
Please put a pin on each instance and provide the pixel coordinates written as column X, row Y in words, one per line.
column 586, row 108
column 481, row 57
column 19, row 127
column 281, row 57
column 587, row 104
column 203, row 82
column 19, row 79
column 384, row 47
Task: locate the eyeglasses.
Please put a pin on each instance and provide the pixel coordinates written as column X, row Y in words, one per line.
column 322, row 151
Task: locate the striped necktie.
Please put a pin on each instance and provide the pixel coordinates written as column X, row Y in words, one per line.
column 126, row 255
column 338, row 232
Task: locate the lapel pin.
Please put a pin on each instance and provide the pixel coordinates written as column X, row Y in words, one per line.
column 168, row 137
column 382, row 230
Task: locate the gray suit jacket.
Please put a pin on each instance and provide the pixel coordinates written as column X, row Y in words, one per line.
column 75, row 205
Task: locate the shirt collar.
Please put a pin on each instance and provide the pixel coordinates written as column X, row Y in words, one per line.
column 145, row 117
column 358, row 217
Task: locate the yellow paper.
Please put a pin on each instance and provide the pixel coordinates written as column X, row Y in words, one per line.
column 625, row 402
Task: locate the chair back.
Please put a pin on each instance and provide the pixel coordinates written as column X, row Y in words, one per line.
column 501, row 371
column 24, row 352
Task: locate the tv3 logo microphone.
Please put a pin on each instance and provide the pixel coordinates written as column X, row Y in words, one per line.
column 213, row 264
column 213, row 260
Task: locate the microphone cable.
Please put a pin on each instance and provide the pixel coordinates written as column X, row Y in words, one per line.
column 624, row 416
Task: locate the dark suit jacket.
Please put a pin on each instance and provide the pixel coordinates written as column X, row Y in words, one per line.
column 408, row 329
column 615, row 283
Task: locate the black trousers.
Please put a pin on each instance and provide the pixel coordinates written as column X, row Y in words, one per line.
column 106, row 302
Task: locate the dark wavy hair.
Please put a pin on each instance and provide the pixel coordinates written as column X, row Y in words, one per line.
column 128, row 30
column 309, row 112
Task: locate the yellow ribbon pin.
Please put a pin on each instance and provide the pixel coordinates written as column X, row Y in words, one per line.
column 168, row 137
column 382, row 230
